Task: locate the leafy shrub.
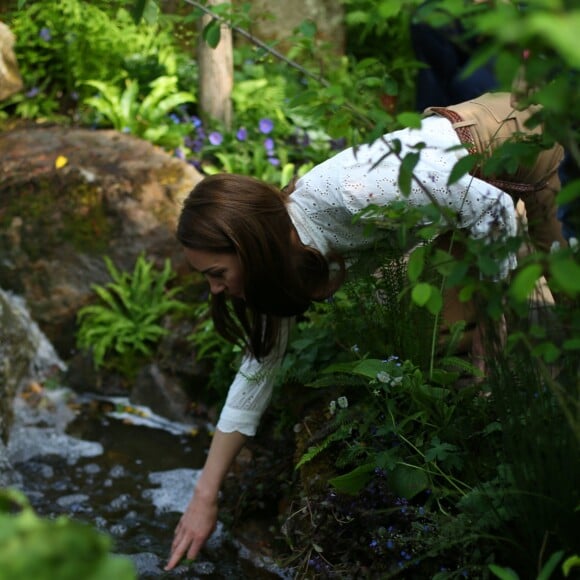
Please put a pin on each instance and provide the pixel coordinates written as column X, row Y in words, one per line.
column 126, row 324
column 146, row 116
column 60, row 549
column 62, row 44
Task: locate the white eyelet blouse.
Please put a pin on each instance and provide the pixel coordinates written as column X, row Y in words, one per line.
column 322, row 208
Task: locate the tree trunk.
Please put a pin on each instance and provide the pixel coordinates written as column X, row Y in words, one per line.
column 216, row 74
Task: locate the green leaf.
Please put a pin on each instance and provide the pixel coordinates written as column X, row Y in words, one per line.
column 569, row 193
column 407, row 481
column 421, row 293
column 503, row 573
column 464, row 166
column 566, row 273
column 353, row 481
column 212, row 33
column 550, row 565
column 525, row 282
column 435, row 302
column 412, row 120
column 569, row 563
column 408, row 165
column 416, row 263
column 369, row 368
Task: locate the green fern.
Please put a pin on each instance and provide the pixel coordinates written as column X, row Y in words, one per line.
column 126, row 322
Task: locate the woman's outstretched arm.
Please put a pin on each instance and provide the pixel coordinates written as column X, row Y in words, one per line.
column 200, row 517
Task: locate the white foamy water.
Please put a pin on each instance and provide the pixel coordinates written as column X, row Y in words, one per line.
column 175, row 489
column 173, row 494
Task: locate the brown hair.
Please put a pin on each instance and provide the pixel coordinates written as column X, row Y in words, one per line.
column 228, row 213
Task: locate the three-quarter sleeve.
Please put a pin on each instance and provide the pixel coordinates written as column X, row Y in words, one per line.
column 251, row 389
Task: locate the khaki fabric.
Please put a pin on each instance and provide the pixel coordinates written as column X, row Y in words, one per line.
column 489, row 121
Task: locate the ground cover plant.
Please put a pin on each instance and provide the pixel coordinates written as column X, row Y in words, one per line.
column 408, row 462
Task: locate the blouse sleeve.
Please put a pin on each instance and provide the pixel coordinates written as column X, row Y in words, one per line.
column 251, row 389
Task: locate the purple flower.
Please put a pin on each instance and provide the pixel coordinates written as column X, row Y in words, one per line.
column 175, row 118
column 269, row 144
column 45, row 34
column 179, row 153
column 336, row 144
column 242, row 134
column 266, row 126
column 196, row 122
column 32, row 92
column 274, row 161
column 215, row 138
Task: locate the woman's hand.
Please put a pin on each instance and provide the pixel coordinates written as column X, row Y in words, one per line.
column 200, row 517
column 194, row 528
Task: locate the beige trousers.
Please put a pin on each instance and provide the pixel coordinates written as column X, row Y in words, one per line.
column 488, row 122
column 484, row 124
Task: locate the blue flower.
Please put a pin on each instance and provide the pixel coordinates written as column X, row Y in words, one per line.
column 215, row 138
column 266, row 125
column 175, row 118
column 274, row 161
column 32, row 92
column 196, row 122
column 269, row 144
column 242, row 134
column 45, row 34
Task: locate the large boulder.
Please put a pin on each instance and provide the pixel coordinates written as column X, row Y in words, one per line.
column 70, row 196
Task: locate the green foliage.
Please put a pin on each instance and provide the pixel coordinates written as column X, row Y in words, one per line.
column 126, row 323
column 60, row 549
column 62, row 44
column 288, row 145
column 145, row 116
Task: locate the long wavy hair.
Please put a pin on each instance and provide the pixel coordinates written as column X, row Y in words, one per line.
column 228, row 213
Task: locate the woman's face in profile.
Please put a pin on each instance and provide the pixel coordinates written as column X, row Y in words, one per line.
column 223, row 271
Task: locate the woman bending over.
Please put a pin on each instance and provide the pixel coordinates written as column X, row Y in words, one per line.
column 269, row 253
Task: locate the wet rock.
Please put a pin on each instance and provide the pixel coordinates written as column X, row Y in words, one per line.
column 159, row 392
column 147, row 564
column 25, row 354
column 70, row 196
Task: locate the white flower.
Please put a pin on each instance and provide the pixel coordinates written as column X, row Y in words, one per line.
column 384, row 377
column 573, row 243
column 342, row 402
column 554, row 247
column 396, row 381
column 332, row 407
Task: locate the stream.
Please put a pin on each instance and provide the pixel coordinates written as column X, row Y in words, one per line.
column 125, row 471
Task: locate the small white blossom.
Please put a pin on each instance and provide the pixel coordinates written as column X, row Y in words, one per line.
column 396, row 381
column 354, row 348
column 384, row 377
column 573, row 243
column 342, row 402
column 332, row 407
column 554, row 247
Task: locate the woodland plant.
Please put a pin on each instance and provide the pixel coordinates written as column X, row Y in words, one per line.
column 125, row 324
column 147, row 115
column 61, row 44
column 34, row 547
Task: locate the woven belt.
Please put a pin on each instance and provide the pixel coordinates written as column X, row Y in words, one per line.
column 466, row 137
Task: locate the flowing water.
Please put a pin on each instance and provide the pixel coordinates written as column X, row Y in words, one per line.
column 125, row 471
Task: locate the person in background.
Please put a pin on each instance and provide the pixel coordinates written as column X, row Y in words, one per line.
column 445, row 53
column 268, row 253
